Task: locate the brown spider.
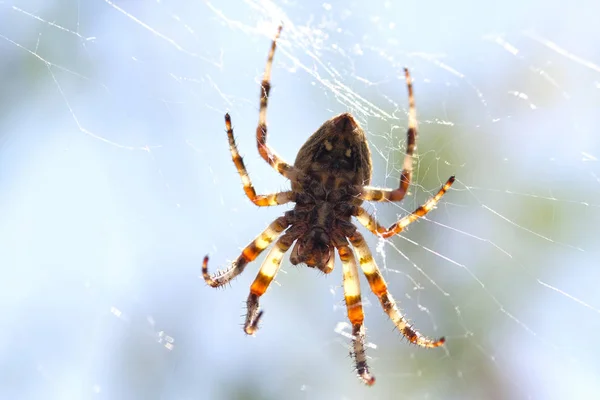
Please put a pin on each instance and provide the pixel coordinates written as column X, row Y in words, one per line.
column 330, row 179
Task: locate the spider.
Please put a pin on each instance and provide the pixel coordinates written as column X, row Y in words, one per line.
column 329, row 181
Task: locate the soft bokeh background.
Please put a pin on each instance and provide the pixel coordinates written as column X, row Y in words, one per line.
column 115, row 180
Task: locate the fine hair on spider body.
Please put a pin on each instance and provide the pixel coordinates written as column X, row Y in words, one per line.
column 329, row 181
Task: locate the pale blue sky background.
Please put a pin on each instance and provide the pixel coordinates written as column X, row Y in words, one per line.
column 115, row 181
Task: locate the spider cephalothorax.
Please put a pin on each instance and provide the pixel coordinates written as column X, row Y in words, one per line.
column 329, row 183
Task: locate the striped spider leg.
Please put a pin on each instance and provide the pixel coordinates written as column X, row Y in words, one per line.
column 369, row 221
column 379, row 288
column 267, row 272
column 356, row 315
column 377, row 194
column 260, row 200
column 249, row 254
column 265, row 151
column 260, row 243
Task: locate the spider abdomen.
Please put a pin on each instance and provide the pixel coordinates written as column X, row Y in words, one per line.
column 335, row 156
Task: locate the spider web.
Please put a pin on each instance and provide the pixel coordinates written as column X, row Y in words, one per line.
column 116, row 180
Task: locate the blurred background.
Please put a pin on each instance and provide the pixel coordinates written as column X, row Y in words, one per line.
column 116, row 180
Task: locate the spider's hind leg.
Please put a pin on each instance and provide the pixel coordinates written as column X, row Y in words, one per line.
column 265, row 151
column 377, row 194
column 260, row 200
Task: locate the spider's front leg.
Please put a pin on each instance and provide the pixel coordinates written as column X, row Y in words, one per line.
column 371, row 223
column 258, row 199
column 379, row 288
column 267, row 272
column 249, row 254
column 355, row 312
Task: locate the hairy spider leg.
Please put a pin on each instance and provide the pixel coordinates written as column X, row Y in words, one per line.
column 264, row 149
column 379, row 194
column 379, row 288
column 260, row 200
column 371, row 223
column 267, row 272
column 249, row 254
column 355, row 312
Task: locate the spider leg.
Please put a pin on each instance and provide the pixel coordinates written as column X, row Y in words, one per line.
column 260, row 199
column 250, row 252
column 267, row 272
column 376, row 194
column 264, row 149
column 371, row 223
column 355, row 312
column 379, row 288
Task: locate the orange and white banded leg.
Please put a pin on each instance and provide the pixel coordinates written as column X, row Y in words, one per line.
column 264, row 149
column 377, row 194
column 355, row 313
column 258, row 199
column 267, row 272
column 249, row 254
column 371, row 223
column 379, row 288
